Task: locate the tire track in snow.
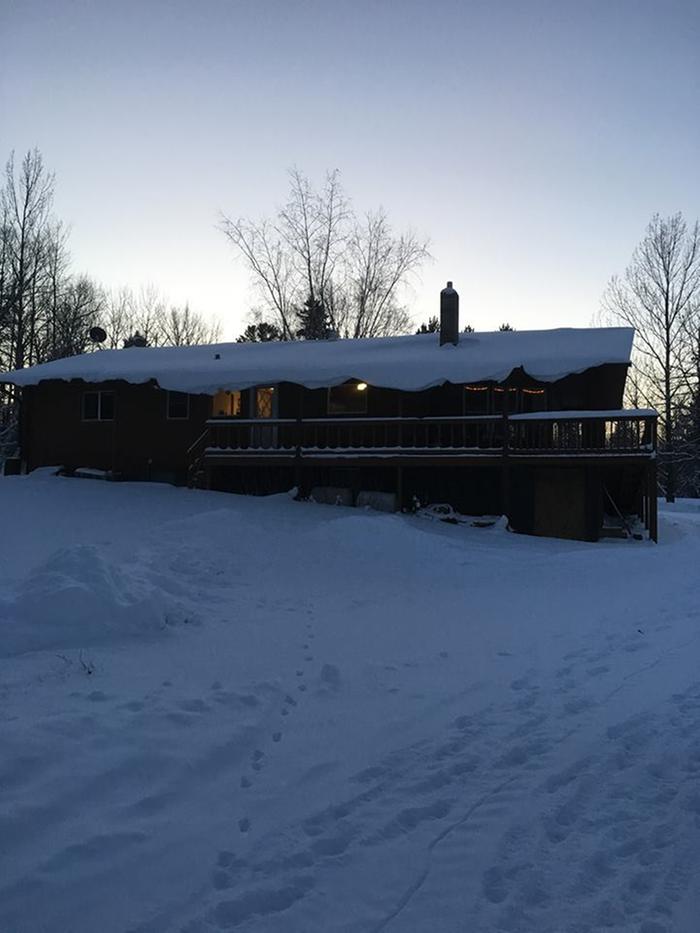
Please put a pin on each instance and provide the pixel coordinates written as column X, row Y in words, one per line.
column 424, row 771
column 527, row 736
column 420, row 881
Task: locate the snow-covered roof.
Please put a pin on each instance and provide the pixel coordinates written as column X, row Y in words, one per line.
column 409, row 363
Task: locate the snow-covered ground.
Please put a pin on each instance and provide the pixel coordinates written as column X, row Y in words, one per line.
column 255, row 714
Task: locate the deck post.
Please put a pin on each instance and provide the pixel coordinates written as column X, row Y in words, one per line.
column 653, row 503
column 505, row 462
column 505, row 470
column 297, row 470
column 399, row 488
column 299, row 433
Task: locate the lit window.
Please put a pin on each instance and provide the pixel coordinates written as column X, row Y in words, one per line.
column 227, row 404
column 98, row 406
column 178, row 406
column 265, row 402
column 350, row 398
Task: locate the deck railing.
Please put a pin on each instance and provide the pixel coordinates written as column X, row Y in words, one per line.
column 543, row 433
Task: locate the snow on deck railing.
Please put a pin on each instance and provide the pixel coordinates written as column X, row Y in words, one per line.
column 622, row 414
column 609, row 415
column 622, row 432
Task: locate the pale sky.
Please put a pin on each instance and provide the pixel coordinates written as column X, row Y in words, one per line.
column 530, row 141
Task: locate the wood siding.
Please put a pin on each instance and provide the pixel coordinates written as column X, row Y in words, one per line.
column 141, row 442
column 564, row 495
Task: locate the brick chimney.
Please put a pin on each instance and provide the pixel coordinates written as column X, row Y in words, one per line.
column 449, row 316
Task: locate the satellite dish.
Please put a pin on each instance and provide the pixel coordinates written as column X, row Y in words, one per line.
column 98, row 334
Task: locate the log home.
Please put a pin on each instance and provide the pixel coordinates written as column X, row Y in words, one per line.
column 529, row 424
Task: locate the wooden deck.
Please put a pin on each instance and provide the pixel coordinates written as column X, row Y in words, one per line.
column 390, row 441
column 302, row 449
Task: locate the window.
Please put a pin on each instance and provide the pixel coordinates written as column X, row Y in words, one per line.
column 348, row 399
column 265, row 402
column 98, row 406
column 533, row 400
column 476, row 400
column 499, row 397
column 178, row 406
column 227, row 404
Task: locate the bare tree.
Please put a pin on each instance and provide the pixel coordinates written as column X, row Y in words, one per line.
column 688, row 428
column 147, row 313
column 149, row 309
column 127, row 313
column 80, row 306
column 182, row 327
column 272, row 265
column 316, row 250
column 378, row 265
column 659, row 295
column 118, row 317
column 56, row 278
column 25, row 204
column 313, row 226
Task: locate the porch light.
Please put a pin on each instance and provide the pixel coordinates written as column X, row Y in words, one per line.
column 361, row 386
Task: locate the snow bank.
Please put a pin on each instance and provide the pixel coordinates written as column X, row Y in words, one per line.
column 408, row 363
column 77, row 600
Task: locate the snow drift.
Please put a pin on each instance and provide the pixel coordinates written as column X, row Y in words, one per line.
column 78, row 599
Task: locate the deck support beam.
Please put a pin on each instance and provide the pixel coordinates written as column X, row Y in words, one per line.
column 653, row 502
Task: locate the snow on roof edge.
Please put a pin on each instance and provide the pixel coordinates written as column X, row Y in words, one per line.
column 411, row 363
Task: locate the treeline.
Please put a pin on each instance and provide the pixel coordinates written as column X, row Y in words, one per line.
column 322, row 270
column 659, row 295
column 46, row 308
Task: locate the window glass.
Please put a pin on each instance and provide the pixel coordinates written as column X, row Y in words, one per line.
column 106, row 406
column 227, row 404
column 178, row 406
column 348, row 399
column 91, row 406
column 98, row 406
column 264, row 401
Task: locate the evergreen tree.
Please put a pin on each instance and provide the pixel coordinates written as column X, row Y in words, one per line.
column 262, row 332
column 432, row 327
column 313, row 320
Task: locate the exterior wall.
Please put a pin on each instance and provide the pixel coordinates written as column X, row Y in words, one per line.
column 597, row 389
column 139, row 443
column 565, row 500
column 562, row 501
